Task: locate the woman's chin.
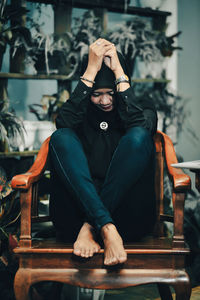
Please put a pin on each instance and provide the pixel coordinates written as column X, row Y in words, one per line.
column 108, row 108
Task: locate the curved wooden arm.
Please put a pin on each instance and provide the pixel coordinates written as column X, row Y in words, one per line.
column 180, row 180
column 23, row 181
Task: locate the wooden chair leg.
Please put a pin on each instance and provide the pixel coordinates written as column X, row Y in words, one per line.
column 183, row 291
column 22, row 285
column 164, row 291
column 52, row 289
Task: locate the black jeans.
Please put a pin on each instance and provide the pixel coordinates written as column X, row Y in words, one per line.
column 127, row 196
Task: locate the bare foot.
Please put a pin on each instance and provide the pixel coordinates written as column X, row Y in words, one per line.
column 85, row 245
column 113, row 245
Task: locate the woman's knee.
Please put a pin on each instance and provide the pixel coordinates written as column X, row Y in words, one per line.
column 139, row 137
column 60, row 135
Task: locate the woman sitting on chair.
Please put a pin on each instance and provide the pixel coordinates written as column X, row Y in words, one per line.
column 103, row 160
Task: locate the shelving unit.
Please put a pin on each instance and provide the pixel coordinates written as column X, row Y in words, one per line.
column 62, row 23
column 62, row 18
column 112, row 5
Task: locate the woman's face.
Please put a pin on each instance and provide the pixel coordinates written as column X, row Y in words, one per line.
column 103, row 98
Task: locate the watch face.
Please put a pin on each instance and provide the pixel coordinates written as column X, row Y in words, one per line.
column 124, row 77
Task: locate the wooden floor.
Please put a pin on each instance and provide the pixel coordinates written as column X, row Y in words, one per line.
column 148, row 292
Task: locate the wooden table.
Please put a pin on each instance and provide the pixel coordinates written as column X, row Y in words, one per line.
column 193, row 166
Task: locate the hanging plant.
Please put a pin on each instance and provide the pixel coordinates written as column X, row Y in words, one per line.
column 166, row 44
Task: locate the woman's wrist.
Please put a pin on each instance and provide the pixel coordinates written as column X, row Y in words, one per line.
column 121, row 86
column 118, row 72
column 88, row 77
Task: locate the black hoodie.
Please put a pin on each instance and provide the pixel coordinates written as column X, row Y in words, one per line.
column 80, row 114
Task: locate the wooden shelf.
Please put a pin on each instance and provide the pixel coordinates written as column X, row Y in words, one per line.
column 18, row 153
column 63, row 77
column 110, row 6
column 29, row 76
column 143, row 80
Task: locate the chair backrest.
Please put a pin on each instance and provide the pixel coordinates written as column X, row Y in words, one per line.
column 159, row 184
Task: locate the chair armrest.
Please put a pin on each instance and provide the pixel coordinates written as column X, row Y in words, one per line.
column 180, row 180
column 23, row 181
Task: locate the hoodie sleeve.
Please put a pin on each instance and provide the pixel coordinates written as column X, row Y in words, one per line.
column 73, row 111
column 136, row 112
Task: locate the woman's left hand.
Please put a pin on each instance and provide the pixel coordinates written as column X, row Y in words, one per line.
column 112, row 61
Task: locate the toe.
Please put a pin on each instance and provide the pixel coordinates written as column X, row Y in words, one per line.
column 114, row 261
column 91, row 252
column 87, row 253
column 83, row 252
column 122, row 259
column 96, row 249
column 77, row 252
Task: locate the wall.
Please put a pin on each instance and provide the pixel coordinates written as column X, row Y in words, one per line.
column 189, row 75
column 172, row 27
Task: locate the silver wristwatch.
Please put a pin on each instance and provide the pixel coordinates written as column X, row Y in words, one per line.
column 123, row 78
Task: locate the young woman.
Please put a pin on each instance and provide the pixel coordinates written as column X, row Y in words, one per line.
column 102, row 160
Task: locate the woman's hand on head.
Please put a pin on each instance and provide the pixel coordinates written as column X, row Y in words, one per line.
column 97, row 52
column 95, row 58
column 101, row 50
column 112, row 61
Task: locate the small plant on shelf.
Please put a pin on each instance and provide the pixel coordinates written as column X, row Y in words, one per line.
column 134, row 39
column 11, row 127
column 137, row 39
column 9, row 33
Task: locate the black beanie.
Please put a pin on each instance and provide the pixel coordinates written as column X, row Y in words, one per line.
column 105, row 78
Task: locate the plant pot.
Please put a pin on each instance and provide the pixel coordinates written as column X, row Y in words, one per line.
column 40, row 64
column 4, row 146
column 2, row 51
column 29, row 135
column 35, row 134
column 45, row 129
column 56, row 63
column 154, row 4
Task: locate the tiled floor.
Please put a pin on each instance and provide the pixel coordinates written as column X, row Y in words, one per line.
column 145, row 292
column 148, row 292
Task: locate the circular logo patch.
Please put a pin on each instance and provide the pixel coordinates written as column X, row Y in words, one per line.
column 104, row 125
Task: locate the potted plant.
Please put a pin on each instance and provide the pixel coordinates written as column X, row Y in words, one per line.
column 9, row 33
column 11, row 127
column 66, row 50
column 136, row 39
column 85, row 31
column 48, row 53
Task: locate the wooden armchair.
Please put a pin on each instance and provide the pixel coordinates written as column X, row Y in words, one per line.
column 156, row 259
